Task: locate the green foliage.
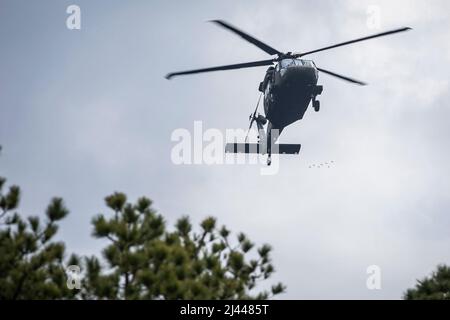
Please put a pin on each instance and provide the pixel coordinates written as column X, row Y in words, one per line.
column 31, row 264
column 144, row 260
column 435, row 287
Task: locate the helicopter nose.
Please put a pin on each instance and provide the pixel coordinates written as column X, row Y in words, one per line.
column 300, row 75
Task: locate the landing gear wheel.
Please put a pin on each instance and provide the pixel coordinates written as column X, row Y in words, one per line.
column 261, row 119
column 316, row 105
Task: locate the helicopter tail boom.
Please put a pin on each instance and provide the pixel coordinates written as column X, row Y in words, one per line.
column 255, row 148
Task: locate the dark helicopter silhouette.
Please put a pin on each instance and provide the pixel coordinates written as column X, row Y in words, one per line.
column 290, row 84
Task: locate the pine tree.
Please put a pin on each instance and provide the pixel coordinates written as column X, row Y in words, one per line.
column 31, row 264
column 146, row 261
column 435, row 287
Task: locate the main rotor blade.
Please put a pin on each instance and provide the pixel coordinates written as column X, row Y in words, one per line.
column 353, row 41
column 342, row 77
column 248, row 37
column 220, row 68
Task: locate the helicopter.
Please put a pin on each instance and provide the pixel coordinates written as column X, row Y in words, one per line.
column 289, row 87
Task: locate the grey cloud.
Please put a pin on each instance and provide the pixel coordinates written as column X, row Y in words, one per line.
column 86, row 113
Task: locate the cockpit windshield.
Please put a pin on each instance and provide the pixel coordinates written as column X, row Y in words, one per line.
column 308, row 63
column 286, row 63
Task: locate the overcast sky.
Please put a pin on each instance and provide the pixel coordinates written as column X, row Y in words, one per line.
column 87, row 112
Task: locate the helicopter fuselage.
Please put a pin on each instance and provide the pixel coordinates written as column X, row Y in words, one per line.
column 288, row 89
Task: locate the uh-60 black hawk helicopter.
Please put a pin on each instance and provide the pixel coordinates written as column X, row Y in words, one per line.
column 288, row 89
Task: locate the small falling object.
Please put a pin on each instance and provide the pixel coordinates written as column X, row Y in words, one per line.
column 320, row 165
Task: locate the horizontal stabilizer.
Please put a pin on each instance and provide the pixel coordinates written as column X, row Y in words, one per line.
column 287, row 148
column 255, row 148
column 242, row 148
